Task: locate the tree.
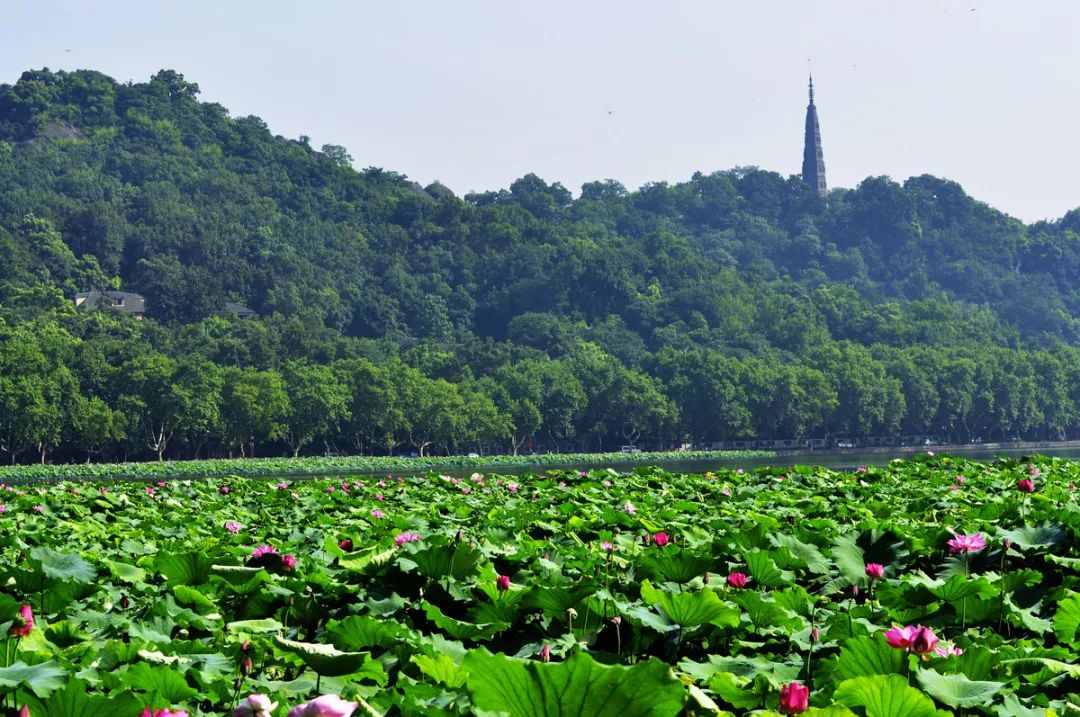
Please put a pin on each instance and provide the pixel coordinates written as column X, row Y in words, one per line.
column 338, row 155
column 149, row 399
column 93, row 425
column 433, row 408
column 318, row 403
column 376, row 415
column 518, row 393
column 254, row 407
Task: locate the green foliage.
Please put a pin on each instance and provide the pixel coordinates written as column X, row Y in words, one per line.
column 147, row 599
column 579, row 686
column 394, row 318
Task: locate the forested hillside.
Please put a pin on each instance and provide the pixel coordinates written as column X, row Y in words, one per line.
column 394, row 317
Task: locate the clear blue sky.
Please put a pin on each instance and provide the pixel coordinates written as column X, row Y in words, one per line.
column 476, row 94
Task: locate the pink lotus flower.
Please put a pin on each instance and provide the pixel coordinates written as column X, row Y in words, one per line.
column 960, row 480
column 737, row 580
column 874, row 571
column 331, row 489
column 607, row 547
column 261, row 551
column 502, row 583
column 512, row 488
column 918, row 639
column 629, row 508
column 377, row 514
column 161, row 484
column 346, row 545
column 255, row 706
column 948, row 650
column 3, row 508
column 966, row 543
column 406, row 538
column 24, row 622
column 224, row 490
column 232, row 526
column 1026, row 485
column 562, row 484
column 900, row 637
column 545, row 653
column 282, row 486
column 39, row 508
column 379, row 497
column 1034, row 472
column 923, row 641
column 794, row 698
column 325, row 706
column 163, row 713
column 661, row 539
column 288, row 562
column 726, row 491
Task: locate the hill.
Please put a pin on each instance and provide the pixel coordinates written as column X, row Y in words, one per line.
column 735, row 304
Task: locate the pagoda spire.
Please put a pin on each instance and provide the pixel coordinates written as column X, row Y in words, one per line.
column 813, row 164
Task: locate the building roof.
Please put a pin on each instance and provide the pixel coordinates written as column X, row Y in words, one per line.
column 121, row 300
column 231, row 307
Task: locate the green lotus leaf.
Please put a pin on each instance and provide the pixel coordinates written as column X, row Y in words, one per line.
column 459, row 629
column 1028, row 537
column 75, row 700
column 43, row 679
column 63, row 566
column 865, row 656
column 957, row 690
column 440, row 668
column 183, row 569
column 690, row 609
column 579, row 687
column 886, row 696
column 1067, row 619
column 164, row 681
column 325, row 660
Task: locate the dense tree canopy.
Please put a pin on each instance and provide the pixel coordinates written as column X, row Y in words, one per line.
column 393, row 317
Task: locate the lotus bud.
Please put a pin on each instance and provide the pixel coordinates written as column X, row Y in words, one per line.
column 545, row 653
column 246, row 666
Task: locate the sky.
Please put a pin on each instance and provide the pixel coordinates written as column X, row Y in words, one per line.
column 476, row 93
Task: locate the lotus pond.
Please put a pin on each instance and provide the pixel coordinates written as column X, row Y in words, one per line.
column 929, row 587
